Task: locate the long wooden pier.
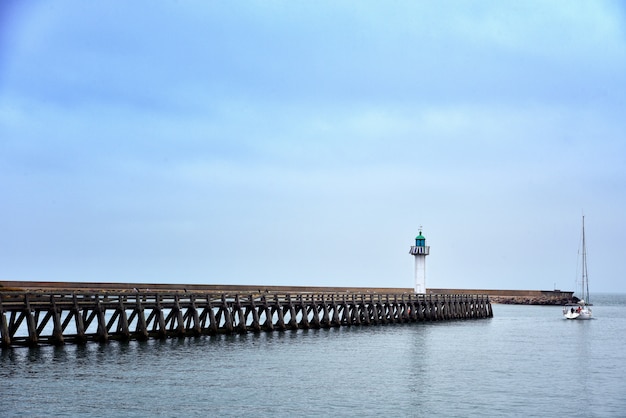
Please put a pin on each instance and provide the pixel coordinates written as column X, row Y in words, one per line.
column 57, row 317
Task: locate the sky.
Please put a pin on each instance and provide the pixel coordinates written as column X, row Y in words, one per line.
column 305, row 143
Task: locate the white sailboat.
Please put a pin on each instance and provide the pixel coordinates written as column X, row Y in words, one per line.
column 581, row 310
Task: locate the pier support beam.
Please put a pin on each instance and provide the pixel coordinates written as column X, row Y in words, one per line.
column 32, row 319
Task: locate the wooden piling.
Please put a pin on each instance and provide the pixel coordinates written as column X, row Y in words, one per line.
column 5, row 335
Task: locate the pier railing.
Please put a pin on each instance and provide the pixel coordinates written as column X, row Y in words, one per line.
column 33, row 318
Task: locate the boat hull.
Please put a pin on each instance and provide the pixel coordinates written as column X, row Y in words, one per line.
column 571, row 313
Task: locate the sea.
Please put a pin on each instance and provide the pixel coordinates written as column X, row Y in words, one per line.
column 525, row 361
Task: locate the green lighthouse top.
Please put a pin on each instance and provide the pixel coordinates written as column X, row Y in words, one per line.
column 420, row 241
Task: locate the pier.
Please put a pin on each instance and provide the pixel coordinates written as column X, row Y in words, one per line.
column 60, row 313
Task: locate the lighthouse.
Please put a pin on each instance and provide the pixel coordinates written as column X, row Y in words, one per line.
column 420, row 250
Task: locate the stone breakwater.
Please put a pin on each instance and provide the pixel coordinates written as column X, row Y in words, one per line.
column 516, row 297
column 518, row 300
column 502, row 296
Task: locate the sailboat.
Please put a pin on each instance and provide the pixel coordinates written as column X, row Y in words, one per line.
column 581, row 310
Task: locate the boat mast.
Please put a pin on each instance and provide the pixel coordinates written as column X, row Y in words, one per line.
column 585, row 283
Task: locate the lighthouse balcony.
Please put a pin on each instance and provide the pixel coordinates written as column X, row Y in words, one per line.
column 419, row 250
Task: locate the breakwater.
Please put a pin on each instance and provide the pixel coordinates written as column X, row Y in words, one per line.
column 47, row 316
column 515, row 297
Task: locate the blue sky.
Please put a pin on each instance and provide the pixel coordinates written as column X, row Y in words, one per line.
column 304, row 143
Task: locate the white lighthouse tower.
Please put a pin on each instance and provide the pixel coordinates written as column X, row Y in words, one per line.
column 420, row 251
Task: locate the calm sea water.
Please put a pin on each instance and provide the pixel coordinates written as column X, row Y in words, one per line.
column 527, row 361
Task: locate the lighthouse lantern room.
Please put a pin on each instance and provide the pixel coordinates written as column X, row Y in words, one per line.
column 420, row 250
